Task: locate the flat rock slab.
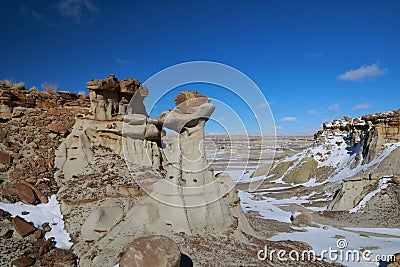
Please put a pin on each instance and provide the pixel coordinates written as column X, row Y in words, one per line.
column 25, row 193
column 154, row 250
column 23, row 227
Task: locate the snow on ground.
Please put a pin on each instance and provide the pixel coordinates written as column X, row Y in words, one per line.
column 242, row 176
column 267, row 207
column 344, row 170
column 311, row 183
column 383, row 231
column 40, row 214
column 321, row 240
column 383, row 183
column 334, row 152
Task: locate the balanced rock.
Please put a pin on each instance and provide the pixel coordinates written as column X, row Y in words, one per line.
column 25, row 193
column 177, row 121
column 188, row 100
column 107, row 84
column 156, row 250
column 23, row 227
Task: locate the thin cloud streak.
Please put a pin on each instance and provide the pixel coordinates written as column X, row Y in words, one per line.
column 75, row 9
column 362, row 106
column 289, row 119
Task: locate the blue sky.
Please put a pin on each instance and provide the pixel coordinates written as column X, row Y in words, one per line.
column 313, row 60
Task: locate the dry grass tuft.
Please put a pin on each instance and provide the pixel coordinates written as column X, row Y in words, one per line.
column 9, row 83
column 50, row 87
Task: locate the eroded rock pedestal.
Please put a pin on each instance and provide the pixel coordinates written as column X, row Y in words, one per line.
column 118, row 183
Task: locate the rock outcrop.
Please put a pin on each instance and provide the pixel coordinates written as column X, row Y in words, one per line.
column 110, row 98
column 370, row 131
column 345, row 148
column 33, row 125
column 15, row 96
column 352, row 191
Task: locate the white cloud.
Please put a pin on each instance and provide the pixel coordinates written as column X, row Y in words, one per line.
column 362, row 106
column 75, row 9
column 288, row 119
column 334, row 107
column 362, row 73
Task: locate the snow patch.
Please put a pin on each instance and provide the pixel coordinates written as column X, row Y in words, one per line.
column 383, row 183
column 49, row 212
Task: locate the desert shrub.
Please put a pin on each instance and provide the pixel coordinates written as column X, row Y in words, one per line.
column 9, row 83
column 50, row 87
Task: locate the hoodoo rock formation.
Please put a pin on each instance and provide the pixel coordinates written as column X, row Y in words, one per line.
column 110, row 97
column 149, row 184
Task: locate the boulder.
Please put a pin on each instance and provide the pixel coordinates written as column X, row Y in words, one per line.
column 25, row 193
column 59, row 128
column 187, row 101
column 177, row 121
column 23, row 261
column 108, row 84
column 37, row 192
column 155, row 250
column 153, row 133
column 23, row 227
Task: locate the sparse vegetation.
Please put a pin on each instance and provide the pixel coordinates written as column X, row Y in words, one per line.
column 9, row 83
column 50, row 87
